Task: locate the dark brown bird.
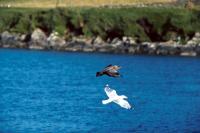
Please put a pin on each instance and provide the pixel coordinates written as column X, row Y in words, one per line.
column 110, row 70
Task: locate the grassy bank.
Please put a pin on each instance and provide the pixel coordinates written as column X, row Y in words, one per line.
column 65, row 3
column 104, row 22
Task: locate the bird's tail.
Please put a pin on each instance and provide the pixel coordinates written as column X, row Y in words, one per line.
column 99, row 74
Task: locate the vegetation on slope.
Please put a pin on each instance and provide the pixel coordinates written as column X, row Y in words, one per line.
column 104, row 22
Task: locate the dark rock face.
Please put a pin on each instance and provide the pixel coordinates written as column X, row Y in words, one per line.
column 127, row 45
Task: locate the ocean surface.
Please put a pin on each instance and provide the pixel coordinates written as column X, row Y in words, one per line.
column 57, row 92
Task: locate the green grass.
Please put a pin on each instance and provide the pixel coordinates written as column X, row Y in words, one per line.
column 104, row 22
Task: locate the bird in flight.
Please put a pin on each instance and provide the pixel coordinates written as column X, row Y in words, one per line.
column 110, row 70
column 113, row 97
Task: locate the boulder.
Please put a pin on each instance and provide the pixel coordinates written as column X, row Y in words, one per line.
column 192, row 53
column 9, row 40
column 128, row 40
column 88, row 49
column 38, row 35
column 187, row 48
column 23, row 37
column 116, row 42
column 197, row 34
column 55, row 41
column 195, row 40
column 163, row 49
column 98, row 41
column 191, row 42
column 22, row 45
column 38, row 40
column 132, row 50
column 74, row 46
column 82, row 39
column 144, row 48
column 152, row 48
column 132, row 41
column 124, row 38
column 198, row 49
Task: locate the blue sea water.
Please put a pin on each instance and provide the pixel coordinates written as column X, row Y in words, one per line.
column 57, row 92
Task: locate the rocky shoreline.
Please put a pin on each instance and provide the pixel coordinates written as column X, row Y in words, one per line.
column 38, row 40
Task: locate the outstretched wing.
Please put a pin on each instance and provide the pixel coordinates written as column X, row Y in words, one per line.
column 116, row 74
column 112, row 69
column 123, row 103
column 108, row 66
column 110, row 92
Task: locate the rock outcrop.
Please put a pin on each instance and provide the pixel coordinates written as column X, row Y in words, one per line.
column 127, row 45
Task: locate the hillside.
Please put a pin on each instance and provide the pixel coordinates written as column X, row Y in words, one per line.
column 154, row 24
